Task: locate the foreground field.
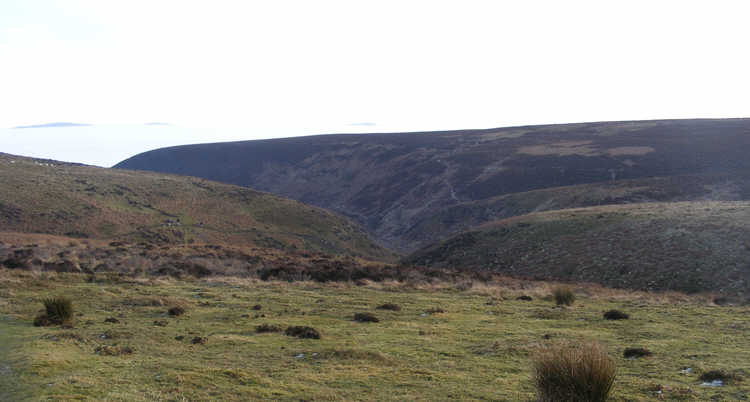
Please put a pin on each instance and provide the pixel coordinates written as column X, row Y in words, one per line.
column 478, row 348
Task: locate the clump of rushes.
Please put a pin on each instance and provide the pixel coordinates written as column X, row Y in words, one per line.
column 563, row 295
column 58, row 311
column 573, row 372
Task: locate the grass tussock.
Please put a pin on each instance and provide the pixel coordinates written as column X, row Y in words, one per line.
column 563, row 296
column 106, row 350
column 573, row 372
column 263, row 328
column 302, row 332
column 389, row 306
column 365, row 317
column 720, row 375
column 633, row 353
column 616, row 315
column 176, row 311
column 58, row 311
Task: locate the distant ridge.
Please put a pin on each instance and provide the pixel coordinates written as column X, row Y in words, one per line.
column 53, row 125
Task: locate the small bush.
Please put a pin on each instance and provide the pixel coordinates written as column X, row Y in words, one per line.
column 175, row 311
column 199, row 340
column 636, row 352
column 524, row 298
column 257, row 307
column 365, row 317
column 303, row 332
column 435, row 310
column 582, row 372
column 389, row 306
column 267, row 328
column 616, row 315
column 564, row 296
column 112, row 320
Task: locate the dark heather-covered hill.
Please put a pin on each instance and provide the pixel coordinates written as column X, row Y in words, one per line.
column 44, row 196
column 699, row 246
column 412, row 189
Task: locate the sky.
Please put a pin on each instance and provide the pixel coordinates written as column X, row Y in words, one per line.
column 240, row 70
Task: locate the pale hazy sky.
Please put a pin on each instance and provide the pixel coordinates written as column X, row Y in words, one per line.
column 225, row 70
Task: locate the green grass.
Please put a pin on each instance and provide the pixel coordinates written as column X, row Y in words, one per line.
column 480, row 348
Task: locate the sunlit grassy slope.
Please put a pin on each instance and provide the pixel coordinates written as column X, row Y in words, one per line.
column 478, row 349
column 40, row 196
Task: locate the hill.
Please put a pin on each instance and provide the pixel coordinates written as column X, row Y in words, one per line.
column 685, row 246
column 411, row 189
column 42, row 196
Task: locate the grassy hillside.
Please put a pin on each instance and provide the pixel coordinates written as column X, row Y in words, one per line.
column 40, row 196
column 479, row 348
column 396, row 185
column 686, row 246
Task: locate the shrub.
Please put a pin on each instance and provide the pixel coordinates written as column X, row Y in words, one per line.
column 303, row 332
column 257, row 307
column 566, row 372
column 435, row 310
column 365, row 317
column 564, row 296
column 616, row 315
column 199, row 340
column 389, row 306
column 524, row 298
column 175, row 311
column 636, row 352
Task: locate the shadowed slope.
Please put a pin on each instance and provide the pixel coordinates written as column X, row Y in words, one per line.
column 686, row 246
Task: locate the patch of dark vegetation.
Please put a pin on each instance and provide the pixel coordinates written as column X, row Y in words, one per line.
column 161, row 323
column 720, row 375
column 263, row 328
column 636, row 353
column 20, row 259
column 106, row 350
column 563, row 296
column 176, row 311
column 302, row 332
column 365, row 317
column 329, row 270
column 257, row 307
column 389, row 306
column 616, row 315
column 524, row 298
column 58, row 311
column 179, row 337
column 199, row 340
column 112, row 320
column 725, row 301
column 566, row 372
column 435, row 310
